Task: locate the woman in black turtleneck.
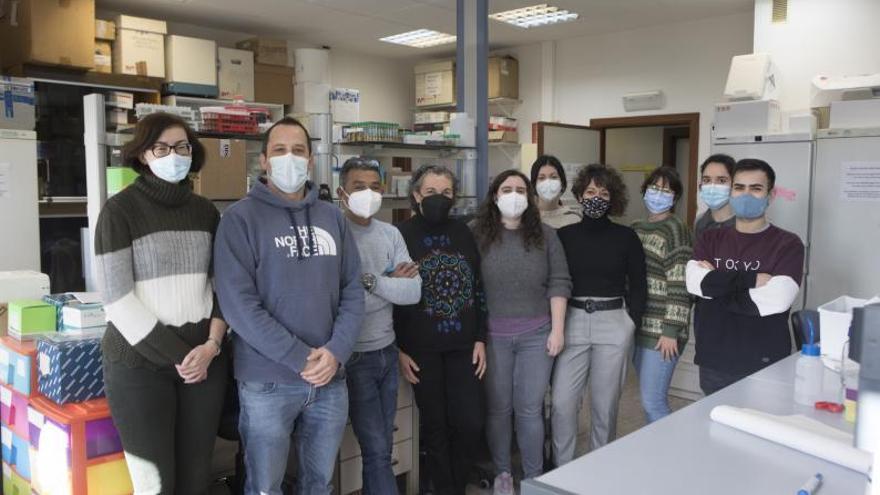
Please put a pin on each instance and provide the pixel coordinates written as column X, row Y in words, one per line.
column 607, row 266
column 442, row 338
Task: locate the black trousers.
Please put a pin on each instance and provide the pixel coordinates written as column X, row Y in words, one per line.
column 167, row 428
column 452, row 411
column 712, row 380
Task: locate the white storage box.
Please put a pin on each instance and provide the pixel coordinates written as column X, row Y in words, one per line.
column 78, row 316
column 848, row 114
column 747, row 118
column 190, row 60
column 345, row 105
column 311, row 97
column 235, row 74
column 139, row 48
column 751, row 77
column 834, row 320
column 312, row 65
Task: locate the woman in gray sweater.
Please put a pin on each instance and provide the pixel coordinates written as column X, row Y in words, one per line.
column 527, row 285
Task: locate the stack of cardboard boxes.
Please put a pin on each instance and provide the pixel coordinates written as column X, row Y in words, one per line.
column 273, row 77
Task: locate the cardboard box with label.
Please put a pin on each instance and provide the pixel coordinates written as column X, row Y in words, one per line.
column 747, row 118
column 190, row 60
column 503, row 77
column 267, row 51
column 105, row 30
column 48, row 32
column 503, row 137
column 70, row 369
column 273, row 84
column 435, row 83
column 30, row 317
column 80, row 315
column 103, row 57
column 235, row 74
column 20, row 284
column 224, row 176
column 139, row 48
column 17, row 103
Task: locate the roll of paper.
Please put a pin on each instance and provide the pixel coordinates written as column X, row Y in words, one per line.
column 797, row 432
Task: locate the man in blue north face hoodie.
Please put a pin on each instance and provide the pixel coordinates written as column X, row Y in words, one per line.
column 287, row 275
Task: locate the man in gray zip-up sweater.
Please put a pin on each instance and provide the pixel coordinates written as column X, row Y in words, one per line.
column 288, row 272
column 389, row 277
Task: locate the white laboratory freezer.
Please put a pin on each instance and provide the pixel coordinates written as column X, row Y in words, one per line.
column 845, row 254
column 19, row 213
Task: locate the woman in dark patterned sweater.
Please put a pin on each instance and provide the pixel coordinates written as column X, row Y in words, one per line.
column 164, row 373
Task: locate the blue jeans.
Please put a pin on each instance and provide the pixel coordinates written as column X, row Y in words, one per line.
column 517, row 377
column 655, row 374
column 270, row 412
column 372, row 391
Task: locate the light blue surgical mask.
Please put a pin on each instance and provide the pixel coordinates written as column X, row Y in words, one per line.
column 658, row 201
column 715, row 195
column 749, row 207
column 289, row 172
column 171, row 167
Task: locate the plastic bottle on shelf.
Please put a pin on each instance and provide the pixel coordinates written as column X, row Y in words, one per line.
column 809, row 371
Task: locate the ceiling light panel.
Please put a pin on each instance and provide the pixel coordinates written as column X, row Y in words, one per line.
column 420, row 38
column 534, row 16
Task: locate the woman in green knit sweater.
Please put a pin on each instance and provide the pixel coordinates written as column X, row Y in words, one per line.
column 664, row 331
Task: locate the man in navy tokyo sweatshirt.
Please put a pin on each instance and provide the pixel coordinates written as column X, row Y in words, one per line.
column 287, row 274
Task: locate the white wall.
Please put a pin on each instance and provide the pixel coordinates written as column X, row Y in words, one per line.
column 836, row 38
column 688, row 61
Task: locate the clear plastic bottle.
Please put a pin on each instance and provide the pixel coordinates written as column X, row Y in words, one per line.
column 809, row 372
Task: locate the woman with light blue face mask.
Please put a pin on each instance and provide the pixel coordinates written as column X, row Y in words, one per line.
column 715, row 177
column 664, row 330
column 162, row 347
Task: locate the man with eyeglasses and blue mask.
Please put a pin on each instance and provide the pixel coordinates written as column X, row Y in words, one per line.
column 288, row 280
column 745, row 278
column 389, row 277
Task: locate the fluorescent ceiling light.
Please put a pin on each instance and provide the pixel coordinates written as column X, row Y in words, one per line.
column 420, row 38
column 534, row 16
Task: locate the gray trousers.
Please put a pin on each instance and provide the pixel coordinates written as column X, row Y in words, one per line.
column 517, row 378
column 597, row 347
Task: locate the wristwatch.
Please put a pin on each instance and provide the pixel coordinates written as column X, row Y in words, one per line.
column 368, row 280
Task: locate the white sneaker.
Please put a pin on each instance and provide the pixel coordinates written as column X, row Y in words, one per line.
column 503, row 484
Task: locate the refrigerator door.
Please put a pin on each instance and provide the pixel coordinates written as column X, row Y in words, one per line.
column 845, row 220
column 19, row 212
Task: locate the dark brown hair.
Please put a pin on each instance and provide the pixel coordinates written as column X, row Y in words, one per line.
column 553, row 162
column 285, row 121
column 147, row 132
column 670, row 176
column 750, row 164
column 602, row 176
column 488, row 225
column 726, row 160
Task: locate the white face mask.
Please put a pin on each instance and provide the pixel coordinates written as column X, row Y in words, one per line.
column 512, row 204
column 289, row 172
column 365, row 203
column 171, row 168
column 549, row 189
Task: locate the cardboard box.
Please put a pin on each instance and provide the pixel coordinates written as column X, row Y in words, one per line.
column 267, row 51
column 823, row 117
column 139, row 48
column 48, row 32
column 79, row 315
column 190, row 60
column 435, row 83
column 747, row 118
column 18, row 103
column 503, row 137
column 345, row 105
column 848, row 114
column 30, row 317
column 235, row 74
column 224, row 176
column 18, row 365
column 103, row 57
column 117, row 116
column 311, row 97
column 20, row 284
column 70, row 368
column 430, row 117
column 503, row 77
column 105, row 30
column 118, row 178
column 273, row 84
column 120, row 99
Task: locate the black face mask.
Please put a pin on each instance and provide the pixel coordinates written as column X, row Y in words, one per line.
column 435, row 208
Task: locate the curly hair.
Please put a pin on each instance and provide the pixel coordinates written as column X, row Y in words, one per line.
column 602, row 176
column 487, row 224
column 418, row 177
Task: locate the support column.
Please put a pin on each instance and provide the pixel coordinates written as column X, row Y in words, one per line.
column 471, row 73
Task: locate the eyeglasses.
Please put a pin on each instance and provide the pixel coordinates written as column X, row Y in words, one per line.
column 656, row 188
column 161, row 150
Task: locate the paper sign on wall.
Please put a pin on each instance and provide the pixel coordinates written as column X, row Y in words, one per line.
column 433, row 83
column 5, row 179
column 225, row 148
column 860, row 181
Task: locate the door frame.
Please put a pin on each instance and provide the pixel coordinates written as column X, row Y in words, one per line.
column 689, row 120
column 538, row 134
